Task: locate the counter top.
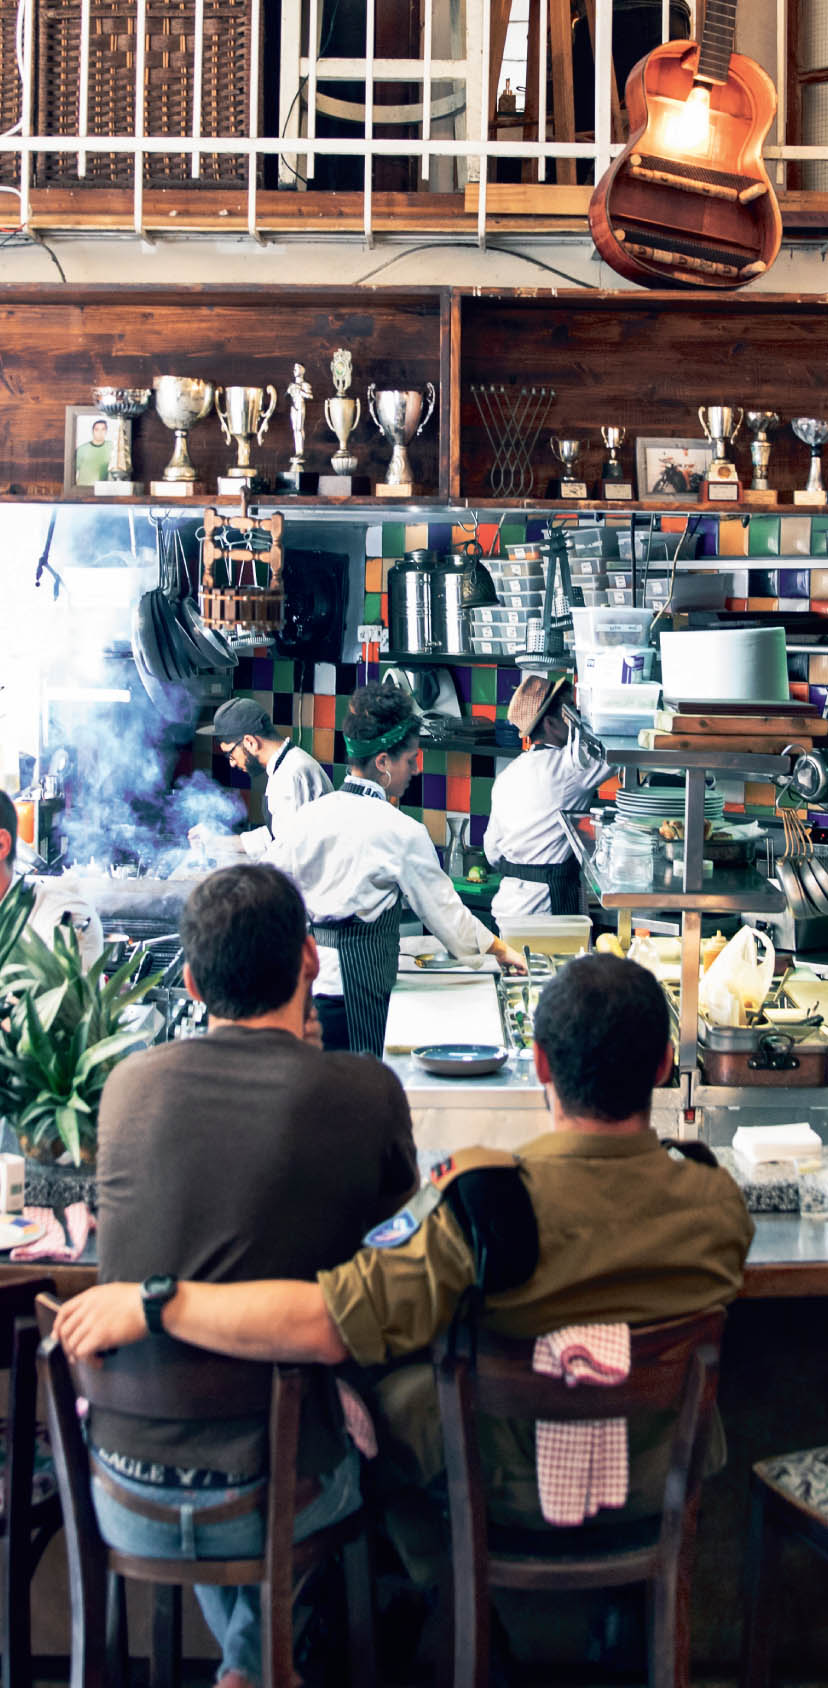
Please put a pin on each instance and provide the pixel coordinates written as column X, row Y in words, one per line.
column 515, row 1085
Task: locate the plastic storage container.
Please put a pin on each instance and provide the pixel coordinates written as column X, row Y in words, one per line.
column 594, row 628
column 620, row 710
column 739, row 664
column 548, row 934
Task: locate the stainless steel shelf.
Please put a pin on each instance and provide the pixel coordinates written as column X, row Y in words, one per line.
column 625, row 753
column 759, row 1096
column 731, row 890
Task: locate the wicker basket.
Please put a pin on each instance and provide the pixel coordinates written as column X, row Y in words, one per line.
column 11, row 92
column 168, row 87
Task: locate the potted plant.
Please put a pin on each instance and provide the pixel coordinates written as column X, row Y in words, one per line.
column 61, row 1032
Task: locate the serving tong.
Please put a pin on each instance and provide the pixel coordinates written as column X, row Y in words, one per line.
column 802, row 876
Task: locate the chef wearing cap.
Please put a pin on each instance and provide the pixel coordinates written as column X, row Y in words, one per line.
column 251, row 742
column 524, row 840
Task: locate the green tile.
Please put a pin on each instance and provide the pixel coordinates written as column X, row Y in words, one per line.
column 282, row 675
column 480, row 801
column 341, row 710
column 819, row 536
column 513, row 533
column 484, row 685
column 763, row 536
column 339, row 774
column 373, row 607
column 393, row 539
column 416, row 814
column 434, row 761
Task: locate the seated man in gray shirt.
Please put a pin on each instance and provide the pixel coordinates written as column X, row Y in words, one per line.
column 244, row 1154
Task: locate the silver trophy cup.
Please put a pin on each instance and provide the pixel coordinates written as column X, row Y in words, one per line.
column 813, row 432
column 181, row 400
column 568, row 450
column 613, row 439
column 243, row 418
column 120, row 403
column 762, row 424
column 397, row 414
column 721, row 424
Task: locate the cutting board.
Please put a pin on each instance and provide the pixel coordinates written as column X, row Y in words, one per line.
column 443, row 1009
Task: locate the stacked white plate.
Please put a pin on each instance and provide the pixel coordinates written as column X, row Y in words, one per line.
column 652, row 805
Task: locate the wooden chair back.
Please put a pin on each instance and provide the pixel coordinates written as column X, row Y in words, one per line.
column 673, row 1368
column 169, row 1380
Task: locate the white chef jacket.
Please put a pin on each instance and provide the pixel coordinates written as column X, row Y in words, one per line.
column 352, row 855
column 292, row 779
column 63, row 895
column 525, row 826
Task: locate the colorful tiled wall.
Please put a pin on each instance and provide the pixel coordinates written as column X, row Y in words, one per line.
column 311, row 698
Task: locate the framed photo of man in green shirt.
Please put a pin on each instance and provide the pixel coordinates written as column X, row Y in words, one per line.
column 88, row 444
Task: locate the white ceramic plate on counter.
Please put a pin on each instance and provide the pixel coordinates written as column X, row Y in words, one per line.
column 461, row 1060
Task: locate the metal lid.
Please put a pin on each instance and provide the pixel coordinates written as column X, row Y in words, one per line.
column 419, row 559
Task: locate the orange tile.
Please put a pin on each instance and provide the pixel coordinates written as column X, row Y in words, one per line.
column 488, row 710
column 734, row 808
column 384, row 609
column 759, row 795
column 458, row 762
column 416, row 536
column 323, row 744
column 373, row 575
column 735, row 603
column 458, row 793
column 434, row 822
column 324, row 711
column 609, row 788
column 733, row 539
column 764, row 603
column 487, row 534
column 819, row 606
column 799, row 689
column 673, row 524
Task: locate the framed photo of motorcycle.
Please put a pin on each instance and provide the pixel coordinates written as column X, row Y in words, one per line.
column 671, row 469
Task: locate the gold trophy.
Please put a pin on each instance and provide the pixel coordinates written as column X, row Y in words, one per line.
column 762, row 424
column 181, row 400
column 342, row 416
column 721, row 424
column 243, row 419
column 614, row 483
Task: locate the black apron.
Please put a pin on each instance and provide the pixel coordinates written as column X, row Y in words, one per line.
column 368, row 958
column 562, row 878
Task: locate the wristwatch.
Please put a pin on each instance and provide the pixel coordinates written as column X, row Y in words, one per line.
column 156, row 1291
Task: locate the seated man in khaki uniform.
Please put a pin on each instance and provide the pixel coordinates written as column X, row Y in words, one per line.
column 594, row 1220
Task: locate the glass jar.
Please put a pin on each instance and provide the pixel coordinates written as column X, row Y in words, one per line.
column 626, row 857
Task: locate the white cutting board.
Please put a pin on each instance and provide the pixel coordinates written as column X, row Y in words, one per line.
column 443, row 1009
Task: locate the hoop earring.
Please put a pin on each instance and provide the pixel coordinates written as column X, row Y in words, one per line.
column 386, row 780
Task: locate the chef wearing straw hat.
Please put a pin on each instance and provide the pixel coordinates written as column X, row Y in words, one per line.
column 524, row 840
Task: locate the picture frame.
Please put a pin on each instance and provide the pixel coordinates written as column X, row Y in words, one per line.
column 82, row 428
column 671, row 469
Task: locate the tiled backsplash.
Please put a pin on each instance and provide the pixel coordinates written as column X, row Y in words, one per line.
column 311, row 698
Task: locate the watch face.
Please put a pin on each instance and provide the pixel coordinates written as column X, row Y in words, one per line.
column 161, row 1286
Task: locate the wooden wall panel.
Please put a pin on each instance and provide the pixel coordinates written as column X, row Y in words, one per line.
column 56, row 344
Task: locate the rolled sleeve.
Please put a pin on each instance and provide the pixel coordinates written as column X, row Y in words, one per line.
column 387, row 1303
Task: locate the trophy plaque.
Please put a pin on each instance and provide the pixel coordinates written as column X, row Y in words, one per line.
column 614, row 483
column 762, row 424
column 296, row 478
column 721, row 424
column 120, row 403
column 342, row 416
column 813, row 432
column 398, row 413
column 181, row 400
column 568, row 486
column 243, row 419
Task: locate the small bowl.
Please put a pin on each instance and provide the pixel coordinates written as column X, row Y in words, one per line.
column 461, row 1060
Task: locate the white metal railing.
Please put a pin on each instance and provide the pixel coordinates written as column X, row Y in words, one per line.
column 461, row 26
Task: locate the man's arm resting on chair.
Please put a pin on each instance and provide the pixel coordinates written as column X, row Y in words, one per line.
column 279, row 1319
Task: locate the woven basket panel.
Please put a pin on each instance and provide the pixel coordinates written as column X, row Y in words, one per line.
column 10, row 96
column 168, row 79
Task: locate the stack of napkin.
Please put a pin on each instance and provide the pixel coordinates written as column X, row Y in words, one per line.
column 757, row 1143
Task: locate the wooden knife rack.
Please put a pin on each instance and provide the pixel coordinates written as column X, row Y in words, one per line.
column 242, row 608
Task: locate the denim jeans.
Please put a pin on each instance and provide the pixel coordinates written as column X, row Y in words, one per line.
column 233, row 1614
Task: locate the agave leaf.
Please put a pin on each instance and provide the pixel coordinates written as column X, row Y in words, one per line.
column 109, row 1049
column 36, row 1043
column 14, row 912
column 136, row 994
column 49, row 1005
column 122, row 977
column 68, row 1126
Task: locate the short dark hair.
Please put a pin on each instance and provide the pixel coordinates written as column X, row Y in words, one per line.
column 8, row 821
column 373, row 710
column 242, row 929
column 603, row 1025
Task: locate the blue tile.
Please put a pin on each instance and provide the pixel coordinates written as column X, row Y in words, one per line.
column 434, row 791
column 462, row 680
column 262, row 674
column 477, row 827
column 794, row 583
column 508, row 680
column 707, row 535
column 439, row 536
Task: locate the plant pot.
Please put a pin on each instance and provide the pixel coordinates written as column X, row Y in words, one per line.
column 47, row 1182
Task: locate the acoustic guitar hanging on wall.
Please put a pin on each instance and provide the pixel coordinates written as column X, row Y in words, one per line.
column 689, row 203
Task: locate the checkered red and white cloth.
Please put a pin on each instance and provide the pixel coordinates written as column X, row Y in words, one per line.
column 582, row 1466
column 358, row 1421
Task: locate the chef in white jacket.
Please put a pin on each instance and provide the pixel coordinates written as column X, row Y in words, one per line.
column 250, row 741
column 59, row 899
column 524, row 840
column 354, row 856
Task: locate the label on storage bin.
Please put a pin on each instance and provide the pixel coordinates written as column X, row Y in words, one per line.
column 632, row 668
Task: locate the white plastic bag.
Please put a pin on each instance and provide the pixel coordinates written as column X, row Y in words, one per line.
column 739, row 978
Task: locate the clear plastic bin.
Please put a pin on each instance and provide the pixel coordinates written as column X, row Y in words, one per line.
column 620, row 710
column 594, row 628
column 548, row 934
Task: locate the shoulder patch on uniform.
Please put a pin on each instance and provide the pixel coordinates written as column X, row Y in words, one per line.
column 393, row 1232
column 441, row 1168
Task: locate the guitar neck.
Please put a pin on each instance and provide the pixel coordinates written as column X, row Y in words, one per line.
column 717, row 41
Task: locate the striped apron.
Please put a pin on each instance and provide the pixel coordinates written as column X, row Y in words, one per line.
column 368, row 958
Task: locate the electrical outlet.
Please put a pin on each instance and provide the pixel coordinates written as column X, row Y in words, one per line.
column 373, row 633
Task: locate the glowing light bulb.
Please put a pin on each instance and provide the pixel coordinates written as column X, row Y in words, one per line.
column 690, row 126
